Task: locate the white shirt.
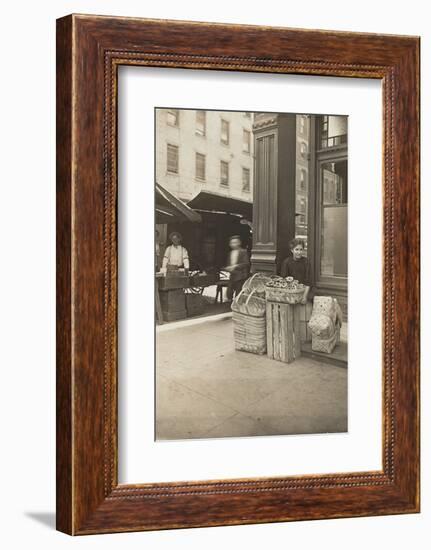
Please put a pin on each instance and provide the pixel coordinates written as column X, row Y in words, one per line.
column 176, row 255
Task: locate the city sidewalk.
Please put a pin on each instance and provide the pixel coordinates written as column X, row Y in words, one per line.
column 205, row 388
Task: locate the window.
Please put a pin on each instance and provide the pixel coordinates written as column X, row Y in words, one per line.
column 247, row 115
column 303, row 180
column 201, row 123
column 333, row 230
column 302, row 120
column 224, row 173
column 224, row 137
column 173, row 154
column 302, row 205
column 334, row 183
column 333, row 131
column 200, row 166
column 303, row 149
column 246, row 141
column 173, row 117
column 324, row 129
column 301, row 218
column 246, row 180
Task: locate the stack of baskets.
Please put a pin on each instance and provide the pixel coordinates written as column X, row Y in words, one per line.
column 249, row 315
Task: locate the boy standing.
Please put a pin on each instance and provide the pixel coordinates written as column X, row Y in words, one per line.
column 239, row 267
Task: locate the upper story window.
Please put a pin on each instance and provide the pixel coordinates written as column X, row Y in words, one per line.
column 302, row 123
column 246, row 141
column 303, row 149
column 173, row 117
column 246, row 180
column 200, row 166
column 201, row 123
column 224, row 135
column 333, row 131
column 224, row 173
column 172, row 158
column 303, row 179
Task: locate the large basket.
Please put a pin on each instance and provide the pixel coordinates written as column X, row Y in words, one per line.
column 284, row 295
column 249, row 333
column 257, row 284
column 249, row 304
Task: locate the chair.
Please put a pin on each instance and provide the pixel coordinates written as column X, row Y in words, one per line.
column 222, row 283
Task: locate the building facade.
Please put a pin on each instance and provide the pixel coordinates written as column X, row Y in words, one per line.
column 302, row 175
column 289, row 170
column 301, row 190
column 204, row 151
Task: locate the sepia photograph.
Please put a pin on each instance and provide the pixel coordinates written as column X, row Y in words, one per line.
column 251, row 268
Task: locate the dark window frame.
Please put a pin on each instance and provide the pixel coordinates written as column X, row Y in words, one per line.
column 176, row 113
column 225, row 123
column 222, row 164
column 201, row 157
column 198, row 123
column 246, row 187
column 173, row 147
column 246, row 145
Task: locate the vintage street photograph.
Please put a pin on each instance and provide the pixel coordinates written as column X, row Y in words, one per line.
column 251, row 282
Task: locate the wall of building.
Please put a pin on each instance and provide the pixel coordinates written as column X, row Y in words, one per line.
column 185, row 184
column 302, row 175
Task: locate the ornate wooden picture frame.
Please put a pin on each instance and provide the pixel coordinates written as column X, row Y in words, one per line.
column 89, row 51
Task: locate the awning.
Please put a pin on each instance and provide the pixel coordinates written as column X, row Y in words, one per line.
column 169, row 209
column 214, row 202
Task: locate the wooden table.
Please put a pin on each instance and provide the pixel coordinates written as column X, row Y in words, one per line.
column 171, row 300
column 170, row 290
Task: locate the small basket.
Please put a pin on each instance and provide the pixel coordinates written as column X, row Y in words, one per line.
column 284, row 295
column 325, row 345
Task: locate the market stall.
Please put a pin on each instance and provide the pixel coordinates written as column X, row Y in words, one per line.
column 181, row 294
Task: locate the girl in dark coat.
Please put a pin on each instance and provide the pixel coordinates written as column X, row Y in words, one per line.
column 297, row 266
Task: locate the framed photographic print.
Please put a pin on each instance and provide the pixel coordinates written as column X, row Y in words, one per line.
column 237, row 274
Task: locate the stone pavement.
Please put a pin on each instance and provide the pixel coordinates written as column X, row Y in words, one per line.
column 205, row 388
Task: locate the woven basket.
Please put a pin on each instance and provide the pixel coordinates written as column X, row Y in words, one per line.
column 256, row 283
column 325, row 345
column 249, row 304
column 249, row 333
column 284, row 295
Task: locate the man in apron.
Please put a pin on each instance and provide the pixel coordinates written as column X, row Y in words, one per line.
column 176, row 256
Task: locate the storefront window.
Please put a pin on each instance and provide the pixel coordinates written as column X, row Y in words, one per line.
column 333, row 131
column 333, row 258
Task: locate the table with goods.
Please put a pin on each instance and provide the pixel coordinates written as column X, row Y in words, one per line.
column 179, row 293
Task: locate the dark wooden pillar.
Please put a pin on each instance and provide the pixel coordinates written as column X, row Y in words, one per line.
column 274, row 184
